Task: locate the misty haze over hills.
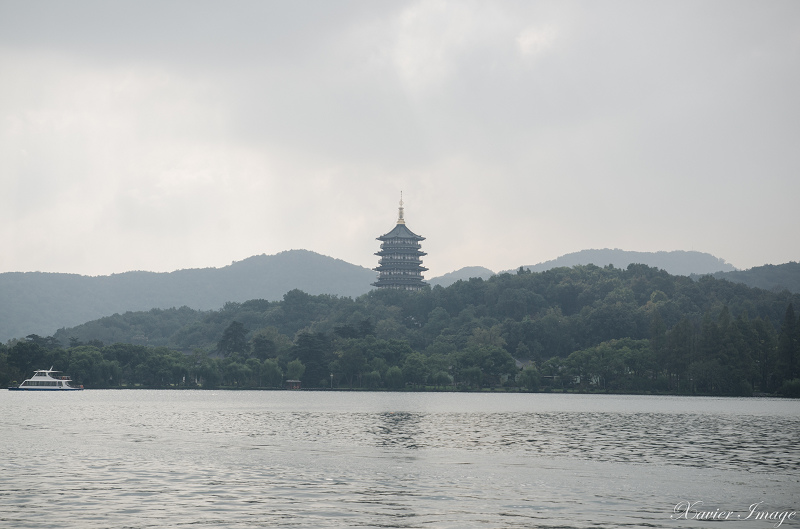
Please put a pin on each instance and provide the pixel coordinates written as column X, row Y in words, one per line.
column 680, row 263
column 41, row 303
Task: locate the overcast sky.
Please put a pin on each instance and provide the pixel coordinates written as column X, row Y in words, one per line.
column 188, row 134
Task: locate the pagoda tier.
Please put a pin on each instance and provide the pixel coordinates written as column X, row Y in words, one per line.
column 400, row 266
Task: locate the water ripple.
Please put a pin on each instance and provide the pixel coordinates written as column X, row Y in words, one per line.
column 281, row 459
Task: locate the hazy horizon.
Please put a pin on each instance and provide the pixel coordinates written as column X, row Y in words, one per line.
column 428, row 276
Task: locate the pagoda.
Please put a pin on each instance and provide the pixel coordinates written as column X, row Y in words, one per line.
column 400, row 266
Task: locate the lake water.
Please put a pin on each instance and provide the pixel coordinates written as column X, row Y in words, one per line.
column 153, row 459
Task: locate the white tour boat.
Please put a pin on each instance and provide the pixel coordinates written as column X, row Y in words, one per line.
column 43, row 380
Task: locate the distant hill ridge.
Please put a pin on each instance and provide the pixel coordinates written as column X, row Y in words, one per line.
column 462, row 274
column 41, row 303
column 677, row 262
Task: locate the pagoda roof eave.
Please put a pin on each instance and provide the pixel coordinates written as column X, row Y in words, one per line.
column 401, row 231
column 400, row 266
column 384, row 253
column 380, row 283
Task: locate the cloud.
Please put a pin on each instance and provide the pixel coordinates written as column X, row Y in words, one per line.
column 533, row 41
column 432, row 37
column 162, row 136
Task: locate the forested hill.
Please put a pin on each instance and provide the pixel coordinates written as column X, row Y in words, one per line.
column 41, row 303
column 589, row 327
column 676, row 262
column 769, row 277
column 589, row 304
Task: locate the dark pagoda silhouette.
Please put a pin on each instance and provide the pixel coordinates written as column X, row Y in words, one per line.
column 400, row 266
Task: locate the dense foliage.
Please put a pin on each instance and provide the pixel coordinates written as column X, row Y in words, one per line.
column 583, row 328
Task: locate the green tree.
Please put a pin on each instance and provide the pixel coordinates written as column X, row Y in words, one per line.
column 209, row 373
column 394, row 378
column 271, row 371
column 315, row 351
column 765, row 354
column 414, row 370
column 658, row 335
column 529, row 378
column 236, row 373
column 295, row 370
column 472, row 376
column 787, row 364
column 438, row 320
column 679, row 354
column 88, row 367
column 24, row 357
column 366, row 328
column 352, row 361
column 263, row 347
column 234, row 340
column 5, row 372
column 372, row 379
column 255, row 367
column 440, row 379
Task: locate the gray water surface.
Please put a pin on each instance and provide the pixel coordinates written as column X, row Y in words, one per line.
column 142, row 459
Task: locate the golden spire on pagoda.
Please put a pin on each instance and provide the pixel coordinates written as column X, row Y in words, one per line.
column 400, row 219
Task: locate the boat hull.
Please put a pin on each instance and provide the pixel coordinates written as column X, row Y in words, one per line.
column 44, row 389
